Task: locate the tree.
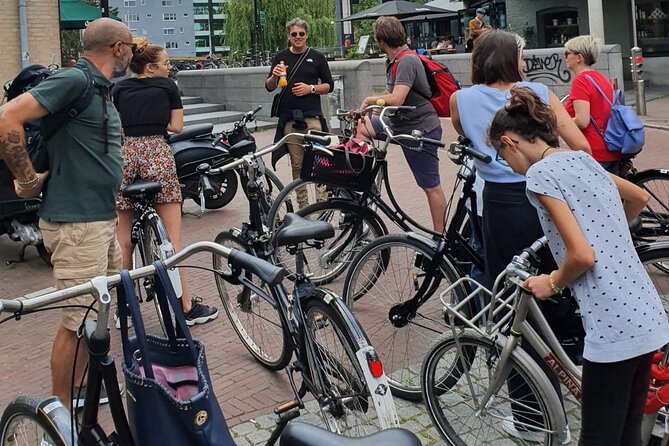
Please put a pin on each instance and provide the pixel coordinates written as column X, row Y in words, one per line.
column 319, row 14
column 70, row 39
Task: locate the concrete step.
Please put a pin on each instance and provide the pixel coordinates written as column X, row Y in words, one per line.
column 262, row 125
column 187, row 100
column 218, row 117
column 203, row 107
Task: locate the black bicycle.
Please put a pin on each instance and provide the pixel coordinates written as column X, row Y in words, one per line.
column 333, row 354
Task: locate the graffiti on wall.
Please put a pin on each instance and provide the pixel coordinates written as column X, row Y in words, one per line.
column 550, row 68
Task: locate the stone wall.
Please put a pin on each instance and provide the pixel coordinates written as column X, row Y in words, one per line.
column 243, row 88
column 43, row 35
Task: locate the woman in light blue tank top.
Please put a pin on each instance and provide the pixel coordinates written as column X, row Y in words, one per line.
column 585, row 212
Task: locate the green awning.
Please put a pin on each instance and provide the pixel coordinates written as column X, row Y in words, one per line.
column 75, row 14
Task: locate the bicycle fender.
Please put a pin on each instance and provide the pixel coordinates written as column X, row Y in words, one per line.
column 646, row 173
column 648, row 247
column 59, row 417
column 423, row 239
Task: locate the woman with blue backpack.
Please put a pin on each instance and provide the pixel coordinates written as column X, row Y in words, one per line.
column 613, row 130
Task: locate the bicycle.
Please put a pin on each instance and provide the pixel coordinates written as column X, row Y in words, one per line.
column 464, row 373
column 274, row 326
column 31, row 420
column 397, row 274
column 151, row 239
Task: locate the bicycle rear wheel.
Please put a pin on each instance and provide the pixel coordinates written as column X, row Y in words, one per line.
column 155, row 245
column 385, row 274
column 25, row 423
column 655, row 259
column 454, row 383
column 655, row 215
column 257, row 323
column 343, row 393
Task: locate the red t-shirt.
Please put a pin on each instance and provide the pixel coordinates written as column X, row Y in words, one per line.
column 600, row 110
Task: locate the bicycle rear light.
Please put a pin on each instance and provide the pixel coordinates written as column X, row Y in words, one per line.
column 374, row 364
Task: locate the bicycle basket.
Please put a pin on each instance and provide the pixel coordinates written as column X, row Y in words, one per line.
column 354, row 173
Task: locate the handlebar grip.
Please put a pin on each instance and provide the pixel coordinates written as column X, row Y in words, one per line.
column 433, row 142
column 217, row 140
column 257, row 109
column 476, row 154
column 322, row 140
column 268, row 273
column 207, row 187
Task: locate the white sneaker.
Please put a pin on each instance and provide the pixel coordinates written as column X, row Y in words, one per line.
column 533, row 436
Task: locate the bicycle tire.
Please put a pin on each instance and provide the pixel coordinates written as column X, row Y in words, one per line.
column 25, row 409
column 345, row 398
column 388, row 272
column 655, row 215
column 454, row 410
column 227, row 189
column 257, row 323
column 354, row 228
column 655, row 259
column 286, row 200
column 157, row 246
column 273, row 187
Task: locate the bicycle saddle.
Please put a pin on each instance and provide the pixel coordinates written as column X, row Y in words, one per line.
column 296, row 229
column 141, row 187
column 301, row 434
column 191, row 132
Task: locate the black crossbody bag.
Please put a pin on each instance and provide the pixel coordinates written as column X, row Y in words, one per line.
column 276, row 102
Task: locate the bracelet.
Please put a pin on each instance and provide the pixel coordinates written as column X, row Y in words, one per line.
column 558, row 289
column 27, row 185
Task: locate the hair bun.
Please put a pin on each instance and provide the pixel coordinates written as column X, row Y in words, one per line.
column 141, row 42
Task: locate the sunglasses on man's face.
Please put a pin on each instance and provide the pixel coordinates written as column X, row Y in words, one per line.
column 133, row 46
column 295, row 34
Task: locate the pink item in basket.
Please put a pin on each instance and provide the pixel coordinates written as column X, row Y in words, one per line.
column 353, row 145
column 179, row 381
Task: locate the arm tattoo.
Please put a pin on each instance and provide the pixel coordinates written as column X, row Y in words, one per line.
column 13, row 152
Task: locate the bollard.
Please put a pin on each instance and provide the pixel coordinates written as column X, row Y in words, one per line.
column 636, row 63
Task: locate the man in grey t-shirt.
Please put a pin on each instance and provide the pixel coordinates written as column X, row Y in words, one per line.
column 408, row 86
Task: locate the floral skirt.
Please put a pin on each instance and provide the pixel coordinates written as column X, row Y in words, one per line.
column 149, row 158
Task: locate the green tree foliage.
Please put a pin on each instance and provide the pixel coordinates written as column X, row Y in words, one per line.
column 239, row 22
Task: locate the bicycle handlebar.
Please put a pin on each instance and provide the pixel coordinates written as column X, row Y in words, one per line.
column 521, row 264
column 267, row 272
column 464, row 146
column 246, row 118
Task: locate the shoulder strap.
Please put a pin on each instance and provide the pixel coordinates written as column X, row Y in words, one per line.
column 394, row 72
column 615, row 97
column 293, row 71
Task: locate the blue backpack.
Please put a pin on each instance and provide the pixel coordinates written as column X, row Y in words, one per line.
column 624, row 132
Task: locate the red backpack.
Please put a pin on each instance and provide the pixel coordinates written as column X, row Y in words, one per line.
column 441, row 80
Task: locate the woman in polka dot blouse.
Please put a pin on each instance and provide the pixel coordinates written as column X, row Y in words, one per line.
column 585, row 221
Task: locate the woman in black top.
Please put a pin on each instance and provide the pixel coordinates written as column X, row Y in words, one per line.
column 150, row 105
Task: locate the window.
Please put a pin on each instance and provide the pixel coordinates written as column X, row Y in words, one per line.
column 185, row 14
column 144, row 31
column 129, row 3
column 181, row 29
column 200, row 10
column 187, row 43
column 171, row 45
column 169, row 17
column 167, row 2
column 652, row 26
column 168, row 31
column 133, row 31
column 148, row 16
column 179, row 2
column 132, row 18
column 143, row 2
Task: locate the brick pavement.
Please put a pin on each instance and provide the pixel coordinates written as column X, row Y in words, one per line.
column 245, row 390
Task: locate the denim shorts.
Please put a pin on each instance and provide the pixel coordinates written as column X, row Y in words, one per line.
column 424, row 164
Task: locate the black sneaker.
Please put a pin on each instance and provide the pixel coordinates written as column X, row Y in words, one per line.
column 79, row 395
column 200, row 313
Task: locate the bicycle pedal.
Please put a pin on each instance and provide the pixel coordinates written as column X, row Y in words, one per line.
column 282, row 409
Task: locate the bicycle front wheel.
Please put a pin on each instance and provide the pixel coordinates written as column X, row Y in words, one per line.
column 299, row 194
column 655, row 215
column 455, row 379
column 342, row 391
column 386, row 274
column 25, row 423
column 257, row 322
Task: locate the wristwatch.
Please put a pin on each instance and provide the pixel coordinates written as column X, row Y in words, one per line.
column 312, row 89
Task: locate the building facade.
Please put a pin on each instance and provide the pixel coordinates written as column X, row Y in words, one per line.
column 181, row 26
column 43, row 25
